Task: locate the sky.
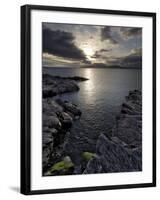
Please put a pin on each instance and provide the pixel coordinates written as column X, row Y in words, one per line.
column 74, row 45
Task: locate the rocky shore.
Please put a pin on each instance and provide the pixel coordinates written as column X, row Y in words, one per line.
column 53, row 86
column 78, row 153
column 122, row 152
column 58, row 117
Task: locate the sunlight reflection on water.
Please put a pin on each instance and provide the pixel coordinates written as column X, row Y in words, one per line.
column 100, row 97
column 89, row 85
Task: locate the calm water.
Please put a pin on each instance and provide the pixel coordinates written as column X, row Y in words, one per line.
column 101, row 96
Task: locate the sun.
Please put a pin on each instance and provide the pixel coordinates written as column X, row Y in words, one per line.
column 88, row 51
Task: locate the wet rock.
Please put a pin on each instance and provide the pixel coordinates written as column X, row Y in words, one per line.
column 118, row 141
column 66, row 120
column 76, row 78
column 58, row 117
column 69, row 107
column 128, row 127
column 94, row 166
column 112, row 157
column 49, row 92
column 57, row 120
column 46, row 157
column 77, row 169
column 47, row 139
column 50, row 107
column 87, row 155
column 53, row 131
column 47, row 144
column 53, row 85
column 51, row 122
column 77, row 143
column 72, row 108
column 63, row 167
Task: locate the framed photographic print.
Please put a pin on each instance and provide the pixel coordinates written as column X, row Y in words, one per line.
column 88, row 99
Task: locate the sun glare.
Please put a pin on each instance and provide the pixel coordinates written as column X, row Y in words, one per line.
column 88, row 51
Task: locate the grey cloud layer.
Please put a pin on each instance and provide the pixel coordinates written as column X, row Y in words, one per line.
column 100, row 53
column 133, row 59
column 131, row 32
column 61, row 43
column 106, row 35
column 110, row 45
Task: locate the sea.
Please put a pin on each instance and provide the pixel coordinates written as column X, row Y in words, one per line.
column 99, row 98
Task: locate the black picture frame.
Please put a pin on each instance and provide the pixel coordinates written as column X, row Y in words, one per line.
column 26, row 98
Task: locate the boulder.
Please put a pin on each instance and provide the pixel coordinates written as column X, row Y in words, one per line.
column 128, row 127
column 61, row 167
column 66, row 120
column 47, row 144
column 49, row 92
column 72, row 108
column 51, row 121
column 53, row 85
column 111, row 157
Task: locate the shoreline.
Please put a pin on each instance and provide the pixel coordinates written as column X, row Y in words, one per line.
column 58, row 117
column 54, row 85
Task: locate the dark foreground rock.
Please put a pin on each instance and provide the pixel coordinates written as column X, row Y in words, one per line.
column 57, row 120
column 112, row 157
column 58, row 117
column 122, row 152
column 54, row 85
column 128, row 127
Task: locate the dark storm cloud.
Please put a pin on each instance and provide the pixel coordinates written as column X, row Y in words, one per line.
column 61, row 43
column 131, row 32
column 87, row 62
column 98, row 54
column 107, row 35
column 133, row 60
column 104, row 50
